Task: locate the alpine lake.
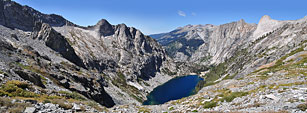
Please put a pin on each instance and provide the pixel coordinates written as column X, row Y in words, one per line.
column 173, row 89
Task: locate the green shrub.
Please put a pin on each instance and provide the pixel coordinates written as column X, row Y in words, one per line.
column 73, row 95
column 54, row 97
column 121, row 76
column 171, row 108
column 9, row 88
column 19, row 84
column 46, row 101
column 210, row 105
column 16, row 88
column 44, row 80
column 23, row 93
column 231, row 96
column 195, row 110
column 3, row 93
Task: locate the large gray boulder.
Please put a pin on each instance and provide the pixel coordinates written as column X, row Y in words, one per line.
column 30, row 110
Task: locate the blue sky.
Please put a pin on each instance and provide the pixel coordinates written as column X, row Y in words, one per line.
column 157, row 16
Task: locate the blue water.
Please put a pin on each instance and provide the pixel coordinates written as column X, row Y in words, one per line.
column 176, row 88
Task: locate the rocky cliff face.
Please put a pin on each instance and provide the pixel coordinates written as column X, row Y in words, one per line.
column 206, row 44
column 224, row 40
column 110, row 64
column 183, row 42
column 56, row 41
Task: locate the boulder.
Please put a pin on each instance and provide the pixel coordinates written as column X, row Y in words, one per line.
column 76, row 107
column 30, row 76
column 272, row 97
column 30, row 110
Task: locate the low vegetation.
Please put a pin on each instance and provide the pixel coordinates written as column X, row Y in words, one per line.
column 13, row 107
column 22, row 90
column 302, row 107
column 228, row 97
column 72, row 95
column 209, row 105
column 143, row 110
column 1, row 72
column 171, row 108
column 221, row 69
column 281, row 65
column 121, row 83
column 195, row 110
column 96, row 106
column 16, row 88
column 62, row 104
column 168, row 72
column 224, row 95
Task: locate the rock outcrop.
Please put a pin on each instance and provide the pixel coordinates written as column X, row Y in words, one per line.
column 266, row 25
column 56, row 41
column 14, row 15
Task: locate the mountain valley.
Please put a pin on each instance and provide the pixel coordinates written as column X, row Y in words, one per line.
column 49, row 64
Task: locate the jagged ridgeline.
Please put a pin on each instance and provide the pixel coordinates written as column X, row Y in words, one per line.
column 109, row 64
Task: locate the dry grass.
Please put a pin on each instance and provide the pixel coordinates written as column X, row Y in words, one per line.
column 266, row 65
column 302, row 107
column 62, row 103
column 13, row 107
